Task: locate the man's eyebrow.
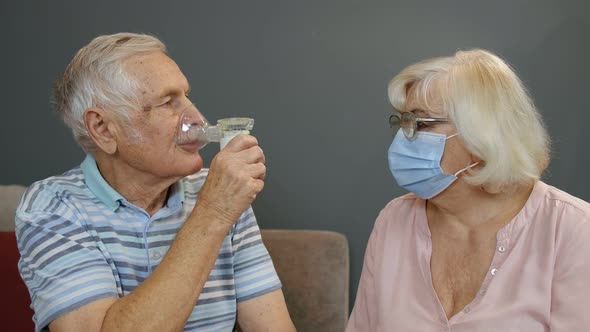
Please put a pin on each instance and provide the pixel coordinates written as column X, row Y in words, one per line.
column 172, row 91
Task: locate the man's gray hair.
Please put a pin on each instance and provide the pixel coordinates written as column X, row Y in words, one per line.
column 96, row 77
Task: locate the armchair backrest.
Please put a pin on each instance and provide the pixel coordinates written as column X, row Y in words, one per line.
column 15, row 301
column 314, row 269
column 9, row 197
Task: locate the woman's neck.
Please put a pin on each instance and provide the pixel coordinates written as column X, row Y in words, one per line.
column 470, row 208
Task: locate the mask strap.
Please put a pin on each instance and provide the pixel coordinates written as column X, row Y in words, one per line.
column 464, row 169
column 455, row 134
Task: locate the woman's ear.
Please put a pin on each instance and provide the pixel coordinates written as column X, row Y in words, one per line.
column 477, row 159
column 102, row 129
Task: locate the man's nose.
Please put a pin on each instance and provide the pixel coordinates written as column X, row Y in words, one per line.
column 191, row 112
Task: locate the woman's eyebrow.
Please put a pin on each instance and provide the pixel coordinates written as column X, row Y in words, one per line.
column 421, row 113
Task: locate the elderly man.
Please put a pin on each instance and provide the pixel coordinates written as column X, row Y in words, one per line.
column 139, row 237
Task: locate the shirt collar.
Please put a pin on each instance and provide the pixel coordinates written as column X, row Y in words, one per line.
column 518, row 222
column 176, row 196
column 110, row 197
column 97, row 184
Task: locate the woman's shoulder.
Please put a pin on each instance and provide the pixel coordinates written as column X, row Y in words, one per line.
column 567, row 225
column 399, row 212
column 570, row 203
column 559, row 208
column 408, row 199
column 567, row 215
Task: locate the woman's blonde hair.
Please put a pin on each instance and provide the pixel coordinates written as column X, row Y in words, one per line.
column 96, row 77
column 490, row 108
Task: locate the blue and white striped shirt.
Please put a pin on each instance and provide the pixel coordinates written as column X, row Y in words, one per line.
column 81, row 241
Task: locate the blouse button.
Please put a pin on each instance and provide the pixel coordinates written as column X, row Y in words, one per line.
column 156, row 255
column 501, row 248
column 494, row 271
column 466, row 310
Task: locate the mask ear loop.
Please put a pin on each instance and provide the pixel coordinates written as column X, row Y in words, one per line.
column 466, row 168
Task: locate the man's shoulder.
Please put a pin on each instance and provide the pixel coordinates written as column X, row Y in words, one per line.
column 42, row 194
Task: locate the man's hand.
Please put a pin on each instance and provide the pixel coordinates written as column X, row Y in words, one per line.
column 235, row 177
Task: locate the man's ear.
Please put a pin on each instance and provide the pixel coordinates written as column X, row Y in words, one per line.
column 102, row 129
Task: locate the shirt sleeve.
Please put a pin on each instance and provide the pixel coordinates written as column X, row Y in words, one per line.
column 60, row 264
column 364, row 313
column 570, row 294
column 254, row 272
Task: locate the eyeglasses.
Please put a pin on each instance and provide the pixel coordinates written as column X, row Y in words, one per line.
column 409, row 123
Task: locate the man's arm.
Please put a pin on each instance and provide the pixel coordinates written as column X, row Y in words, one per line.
column 261, row 305
column 265, row 313
column 165, row 300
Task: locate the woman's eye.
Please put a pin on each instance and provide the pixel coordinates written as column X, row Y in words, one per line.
column 420, row 125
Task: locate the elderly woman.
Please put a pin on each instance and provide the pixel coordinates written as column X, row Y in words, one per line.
column 480, row 243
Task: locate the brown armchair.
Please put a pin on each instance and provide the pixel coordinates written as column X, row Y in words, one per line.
column 314, row 269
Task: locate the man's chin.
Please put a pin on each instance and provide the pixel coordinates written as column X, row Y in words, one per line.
column 197, row 164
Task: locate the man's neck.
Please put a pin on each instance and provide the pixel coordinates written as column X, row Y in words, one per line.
column 140, row 188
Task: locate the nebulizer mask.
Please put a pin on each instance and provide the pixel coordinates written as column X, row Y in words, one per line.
column 194, row 130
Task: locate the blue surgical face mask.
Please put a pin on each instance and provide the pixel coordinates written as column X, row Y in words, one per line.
column 415, row 164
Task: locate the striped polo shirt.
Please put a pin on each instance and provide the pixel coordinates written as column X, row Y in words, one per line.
column 81, row 241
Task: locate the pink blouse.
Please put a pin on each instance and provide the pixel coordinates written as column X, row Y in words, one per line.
column 539, row 278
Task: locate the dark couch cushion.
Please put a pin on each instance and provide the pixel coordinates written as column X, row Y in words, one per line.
column 15, row 301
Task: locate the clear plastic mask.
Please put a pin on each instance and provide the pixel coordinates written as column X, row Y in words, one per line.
column 193, row 129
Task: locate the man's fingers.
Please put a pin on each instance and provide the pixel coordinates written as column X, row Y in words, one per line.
column 258, row 184
column 256, row 171
column 253, row 155
column 241, row 142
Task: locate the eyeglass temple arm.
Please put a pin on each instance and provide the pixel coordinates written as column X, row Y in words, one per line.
column 432, row 120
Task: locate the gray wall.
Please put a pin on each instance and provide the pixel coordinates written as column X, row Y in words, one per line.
column 313, row 74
